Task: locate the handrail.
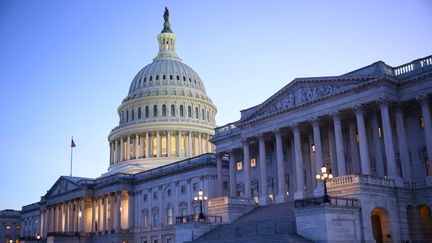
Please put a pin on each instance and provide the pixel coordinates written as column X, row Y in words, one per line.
column 334, row 201
column 195, row 218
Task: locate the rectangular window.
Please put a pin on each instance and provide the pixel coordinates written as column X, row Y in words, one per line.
column 155, row 195
column 183, row 189
column 145, row 220
column 379, row 132
column 170, row 216
column 145, row 197
column 195, row 187
column 155, row 218
column 253, row 163
column 421, row 121
column 8, row 227
column 239, row 165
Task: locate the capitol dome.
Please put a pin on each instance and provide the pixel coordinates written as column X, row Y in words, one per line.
column 166, row 116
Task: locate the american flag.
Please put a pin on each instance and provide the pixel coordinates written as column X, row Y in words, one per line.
column 72, row 143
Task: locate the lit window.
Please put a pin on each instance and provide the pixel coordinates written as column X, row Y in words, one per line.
column 421, row 121
column 173, row 143
column 154, row 145
column 164, row 145
column 145, row 220
column 170, row 216
column 18, row 227
column 253, row 162
column 239, row 165
column 357, row 138
column 8, row 227
column 313, row 148
column 379, row 132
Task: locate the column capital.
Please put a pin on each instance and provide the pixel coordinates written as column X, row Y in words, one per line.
column 335, row 115
column 358, row 109
column 384, row 101
column 245, row 140
column 423, row 99
column 314, row 121
column 295, row 126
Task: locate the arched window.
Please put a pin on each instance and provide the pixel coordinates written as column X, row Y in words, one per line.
column 189, row 111
column 178, row 77
column 127, row 116
column 155, row 111
column 172, row 110
column 122, row 118
column 203, row 115
column 139, row 112
column 147, row 112
column 163, row 110
column 171, row 77
column 151, row 77
column 181, row 111
column 157, row 77
column 133, row 115
column 196, row 113
column 164, row 77
column 208, row 116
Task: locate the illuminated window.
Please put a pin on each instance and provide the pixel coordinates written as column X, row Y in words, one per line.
column 130, row 150
column 239, row 165
column 183, row 143
column 8, row 227
column 173, row 144
column 155, row 111
column 357, row 138
column 154, row 145
column 163, row 110
column 253, row 162
column 145, row 219
column 170, row 216
column 194, row 146
column 313, row 148
column 181, row 111
column 164, row 145
column 172, row 110
column 124, row 150
column 379, row 132
column 421, row 121
column 18, row 227
column 204, row 145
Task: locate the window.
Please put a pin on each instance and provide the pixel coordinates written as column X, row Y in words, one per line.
column 155, row 219
column 421, row 121
column 195, row 186
column 356, row 136
column 184, row 78
column 172, row 110
column 133, row 114
column 8, row 227
column 183, row 211
column 169, row 192
column 253, row 162
column 196, row 112
column 171, row 77
column 189, row 111
column 163, row 110
column 164, row 77
column 157, row 77
column 239, row 165
column 155, row 111
column 145, row 219
column 18, row 227
column 183, row 189
column 145, row 79
column 173, row 142
column 178, row 77
column 122, row 116
column 170, row 216
column 139, row 112
column 181, row 111
column 151, row 78
column 154, row 146
column 155, row 195
column 147, row 112
column 164, row 145
column 127, row 115
column 203, row 115
column 145, row 197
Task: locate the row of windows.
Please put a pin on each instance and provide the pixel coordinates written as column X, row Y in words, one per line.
column 164, row 77
column 9, row 227
column 126, row 116
column 169, row 215
column 155, row 194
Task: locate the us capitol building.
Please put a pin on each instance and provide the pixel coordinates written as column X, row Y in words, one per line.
column 334, row 159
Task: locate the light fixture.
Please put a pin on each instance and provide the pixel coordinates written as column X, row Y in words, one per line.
column 313, row 148
column 323, row 169
column 121, row 208
column 79, row 214
column 326, row 175
column 200, row 198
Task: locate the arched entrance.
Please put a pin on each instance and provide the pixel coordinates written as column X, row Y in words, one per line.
column 381, row 227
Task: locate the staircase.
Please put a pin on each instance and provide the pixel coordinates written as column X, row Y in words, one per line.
column 272, row 223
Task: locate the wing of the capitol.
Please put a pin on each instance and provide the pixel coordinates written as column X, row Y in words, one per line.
column 331, row 159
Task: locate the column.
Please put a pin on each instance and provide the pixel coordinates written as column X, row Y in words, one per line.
column 379, row 163
column 59, row 218
column 158, row 146
column 147, row 145
column 168, row 143
column 116, row 151
column 189, row 145
column 137, row 152
column 318, row 154
column 55, row 218
column 340, row 152
column 388, row 140
column 70, row 212
column 111, row 228
column 141, row 154
column 93, row 215
column 232, row 174
column 66, row 218
column 99, row 220
column 246, row 169
column 424, row 103
column 111, row 153
column 299, row 162
column 130, row 209
column 76, row 216
column 403, row 147
column 263, row 200
column 332, row 150
column 364, row 149
column 219, row 174
column 280, row 197
column 354, row 149
column 200, row 150
column 104, row 210
column 82, row 209
column 128, row 148
column 121, row 149
column 118, row 217
column 178, row 144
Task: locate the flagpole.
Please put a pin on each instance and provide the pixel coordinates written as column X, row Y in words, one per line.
column 71, row 159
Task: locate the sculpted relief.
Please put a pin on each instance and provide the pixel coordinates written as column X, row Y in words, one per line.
column 302, row 95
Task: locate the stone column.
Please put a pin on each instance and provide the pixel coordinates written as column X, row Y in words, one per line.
column 118, row 217
column 130, row 210
column 136, row 152
column 427, row 119
column 246, row 169
column 263, row 200
column 112, row 212
column 200, row 149
column 116, row 151
column 299, row 162
column 189, row 143
column 318, row 154
column 147, row 145
column 70, row 212
column 158, row 147
column 219, row 174
column 280, row 197
column 141, row 154
column 232, row 174
column 128, row 148
column 379, row 163
column 104, row 209
column 55, row 218
column 59, row 222
column 340, row 152
column 82, row 228
column 111, row 153
column 364, row 149
column 93, row 215
column 178, row 144
column 388, row 140
column 403, row 147
column 121, row 149
column 168, row 143
column 99, row 221
column 66, row 219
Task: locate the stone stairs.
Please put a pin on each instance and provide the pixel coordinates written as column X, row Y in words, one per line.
column 272, row 223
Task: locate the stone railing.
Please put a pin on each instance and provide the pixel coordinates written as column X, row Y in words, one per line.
column 356, row 179
column 225, row 130
column 230, row 200
column 419, row 183
column 417, row 65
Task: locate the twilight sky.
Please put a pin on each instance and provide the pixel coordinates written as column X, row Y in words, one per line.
column 65, row 66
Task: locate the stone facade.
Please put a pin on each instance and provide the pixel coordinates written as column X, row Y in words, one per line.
column 10, row 226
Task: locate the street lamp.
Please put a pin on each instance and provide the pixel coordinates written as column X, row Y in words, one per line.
column 38, row 237
column 200, row 198
column 326, row 175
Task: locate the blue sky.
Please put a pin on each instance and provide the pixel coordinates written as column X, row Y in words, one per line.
column 65, row 66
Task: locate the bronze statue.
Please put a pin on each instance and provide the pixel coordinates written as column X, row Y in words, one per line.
column 166, row 28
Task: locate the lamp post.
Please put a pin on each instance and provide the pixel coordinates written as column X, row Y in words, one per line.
column 325, row 176
column 38, row 237
column 200, row 198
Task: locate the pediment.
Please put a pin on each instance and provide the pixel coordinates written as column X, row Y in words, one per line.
column 298, row 93
column 62, row 186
